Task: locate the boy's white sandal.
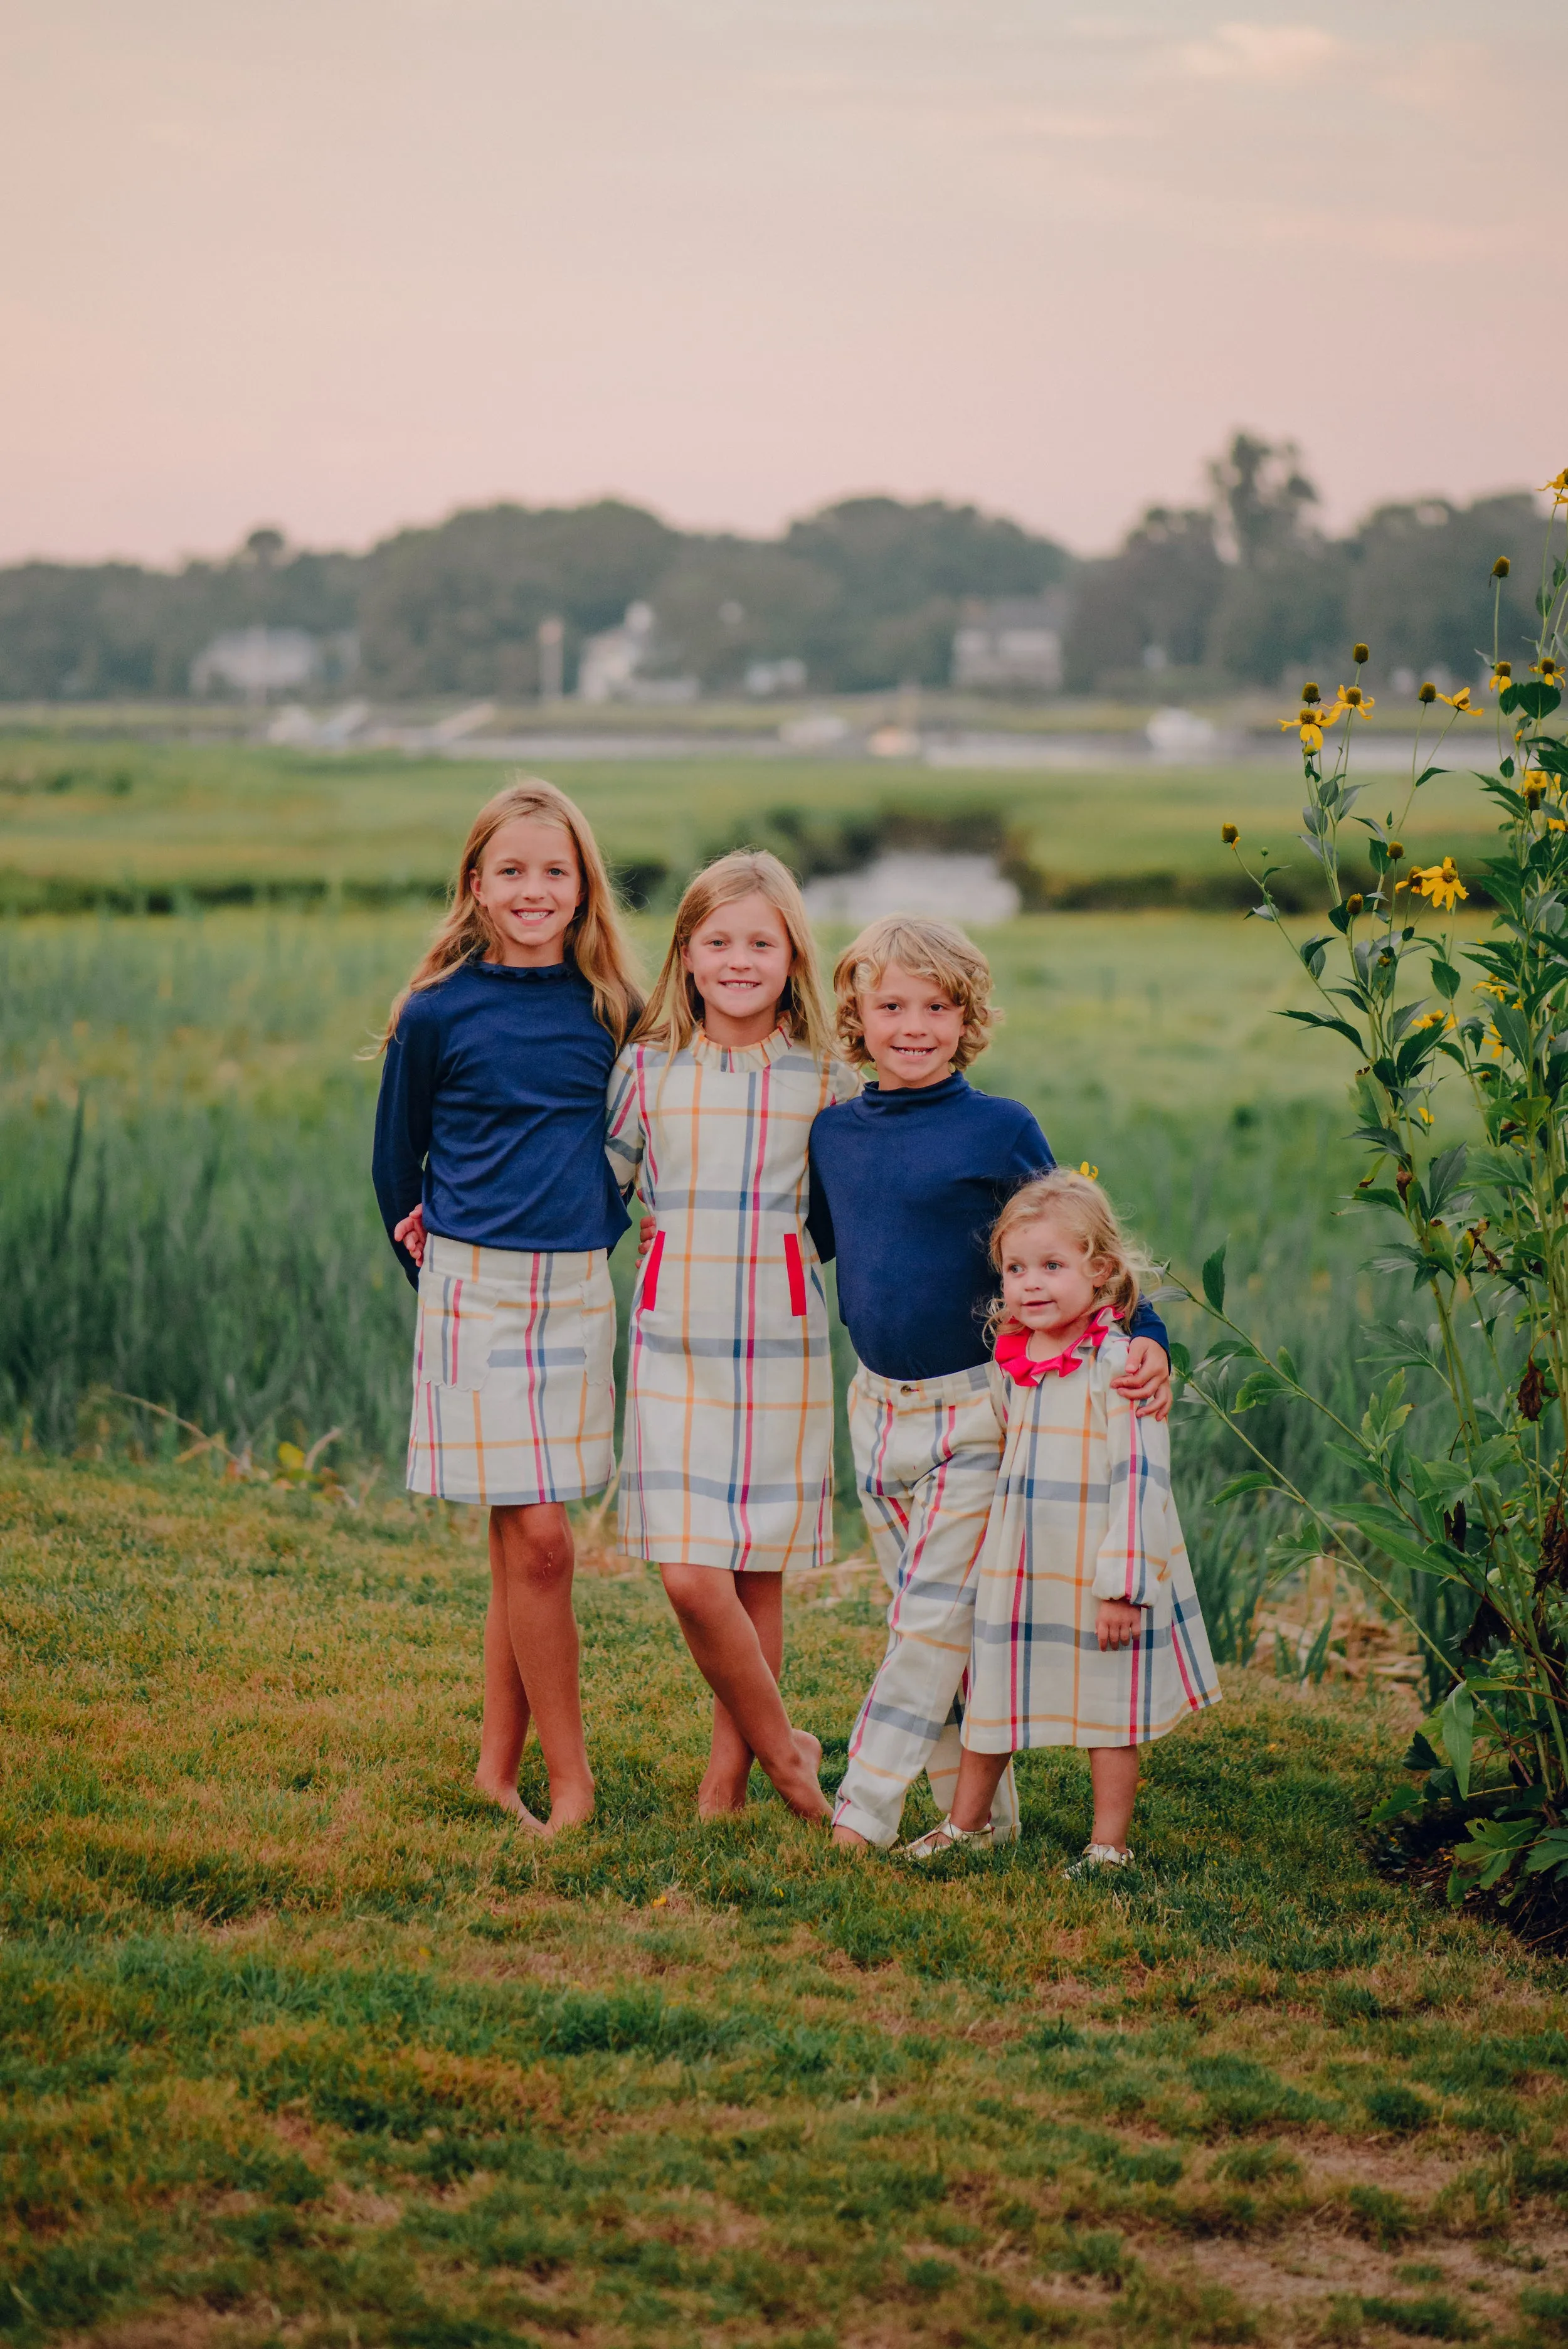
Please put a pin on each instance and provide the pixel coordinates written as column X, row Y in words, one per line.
column 946, row 1838
column 1097, row 1855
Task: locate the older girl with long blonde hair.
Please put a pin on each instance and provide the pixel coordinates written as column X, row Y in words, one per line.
column 726, row 1468
column 491, row 1173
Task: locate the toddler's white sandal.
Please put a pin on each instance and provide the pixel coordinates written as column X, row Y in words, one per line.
column 1097, row 1855
column 946, row 1836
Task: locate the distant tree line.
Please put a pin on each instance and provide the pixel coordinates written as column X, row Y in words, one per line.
column 866, row 592
column 1246, row 589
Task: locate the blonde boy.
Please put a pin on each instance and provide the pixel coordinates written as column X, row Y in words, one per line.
column 906, row 1182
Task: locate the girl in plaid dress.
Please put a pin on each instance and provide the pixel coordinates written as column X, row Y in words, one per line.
column 1087, row 1630
column 726, row 1468
column 491, row 1174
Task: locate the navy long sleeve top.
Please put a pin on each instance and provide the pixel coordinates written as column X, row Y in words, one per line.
column 491, row 1113
column 905, row 1188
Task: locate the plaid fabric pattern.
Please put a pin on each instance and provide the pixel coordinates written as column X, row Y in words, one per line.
column 514, row 1390
column 728, row 1456
column 926, row 1456
column 1083, row 1512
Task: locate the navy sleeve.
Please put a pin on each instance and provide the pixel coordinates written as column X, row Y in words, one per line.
column 1146, row 1323
column 1030, row 1154
column 403, row 1126
column 818, row 1214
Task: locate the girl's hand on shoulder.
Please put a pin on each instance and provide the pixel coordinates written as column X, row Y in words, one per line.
column 1145, row 1381
column 1117, row 1624
column 410, row 1234
column 646, row 1231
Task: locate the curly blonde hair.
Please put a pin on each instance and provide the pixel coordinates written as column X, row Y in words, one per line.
column 933, row 951
column 1081, row 1208
column 595, row 940
column 673, row 1012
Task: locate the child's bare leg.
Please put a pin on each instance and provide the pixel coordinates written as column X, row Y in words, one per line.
column 1113, row 1774
column 729, row 1763
column 504, row 1729
column 536, row 1549
column 726, row 1651
column 979, row 1775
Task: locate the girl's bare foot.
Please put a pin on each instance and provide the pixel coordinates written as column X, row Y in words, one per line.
column 721, row 1793
column 571, row 1807
column 851, row 1839
column 798, row 1785
column 506, row 1798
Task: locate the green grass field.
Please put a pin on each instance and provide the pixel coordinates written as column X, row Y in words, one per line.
column 301, row 2046
column 298, row 2046
column 80, row 817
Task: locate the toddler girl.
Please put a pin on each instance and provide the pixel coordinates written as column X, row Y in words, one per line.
column 490, row 1172
column 727, row 1467
column 1087, row 1630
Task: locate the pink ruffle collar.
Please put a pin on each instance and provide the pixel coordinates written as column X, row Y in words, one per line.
column 1012, row 1350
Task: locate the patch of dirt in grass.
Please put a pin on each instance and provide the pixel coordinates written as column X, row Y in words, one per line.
column 1316, row 2263
column 1397, row 2168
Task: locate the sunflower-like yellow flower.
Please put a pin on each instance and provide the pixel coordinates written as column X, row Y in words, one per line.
column 1461, row 702
column 1229, row 834
column 1548, row 669
column 1556, row 823
column 1092, row 1172
column 1423, row 1113
column 1310, row 719
column 1501, row 676
column 1441, row 883
column 1558, row 485
column 1350, row 702
column 1491, row 986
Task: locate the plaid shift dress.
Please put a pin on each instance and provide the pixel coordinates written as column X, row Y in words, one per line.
column 726, row 1460
column 1082, row 1512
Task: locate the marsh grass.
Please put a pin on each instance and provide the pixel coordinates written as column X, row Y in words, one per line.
column 186, row 1214
column 297, row 2042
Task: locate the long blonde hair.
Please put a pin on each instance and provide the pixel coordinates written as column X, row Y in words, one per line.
column 595, row 940
column 1079, row 1204
column 674, row 1010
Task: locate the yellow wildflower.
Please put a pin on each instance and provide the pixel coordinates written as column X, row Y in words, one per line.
column 1556, row 823
column 1311, row 721
column 1229, row 834
column 1461, row 702
column 1501, row 675
column 1092, row 1172
column 1548, row 668
column 1424, row 1114
column 1436, row 1020
column 1491, row 986
column 1441, row 883
column 1351, row 701
column 1558, row 485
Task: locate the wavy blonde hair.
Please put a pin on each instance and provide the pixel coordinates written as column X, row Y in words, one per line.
column 673, row 1012
column 1079, row 1204
column 595, row 940
column 933, row 951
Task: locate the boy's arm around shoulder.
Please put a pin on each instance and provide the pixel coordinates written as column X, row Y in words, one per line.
column 1131, row 1554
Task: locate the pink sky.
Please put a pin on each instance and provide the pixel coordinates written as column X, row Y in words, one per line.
column 348, row 265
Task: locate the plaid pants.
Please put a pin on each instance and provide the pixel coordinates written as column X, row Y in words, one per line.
column 926, row 1456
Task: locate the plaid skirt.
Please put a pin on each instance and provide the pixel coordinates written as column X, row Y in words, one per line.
column 514, row 1390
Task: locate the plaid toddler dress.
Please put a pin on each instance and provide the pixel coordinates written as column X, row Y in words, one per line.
column 1082, row 1512
column 726, row 1459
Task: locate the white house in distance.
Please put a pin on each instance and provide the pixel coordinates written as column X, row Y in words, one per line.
column 1017, row 641
column 256, row 662
column 614, row 667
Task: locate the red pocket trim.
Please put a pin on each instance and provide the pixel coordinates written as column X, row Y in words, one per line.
column 650, row 1296
column 797, row 1273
